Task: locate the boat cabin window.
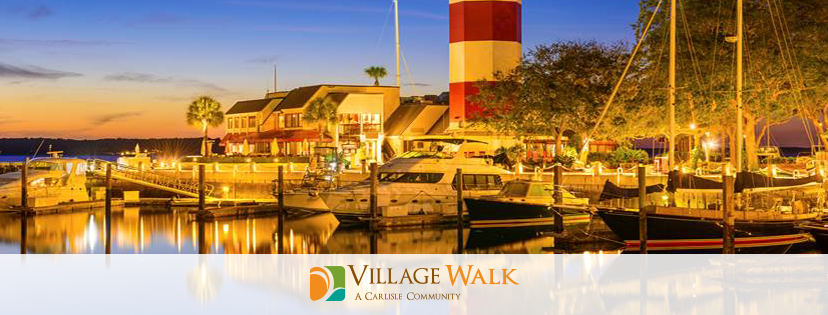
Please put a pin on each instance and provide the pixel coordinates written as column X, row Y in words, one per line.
column 541, row 191
column 45, row 166
column 515, row 189
column 421, row 178
column 44, row 182
column 425, row 155
column 479, row 182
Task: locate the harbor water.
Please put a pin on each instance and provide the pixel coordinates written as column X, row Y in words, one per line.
column 154, row 230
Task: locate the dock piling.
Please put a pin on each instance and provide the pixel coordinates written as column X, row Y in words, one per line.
column 281, row 199
column 201, row 192
column 24, row 186
column 642, row 208
column 459, row 210
column 373, row 205
column 558, row 195
column 108, row 209
column 728, row 246
column 24, row 231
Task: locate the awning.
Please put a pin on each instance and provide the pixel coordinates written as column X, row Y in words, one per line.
column 278, row 135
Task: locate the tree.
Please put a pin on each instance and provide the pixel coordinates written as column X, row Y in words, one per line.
column 321, row 112
column 785, row 64
column 205, row 112
column 564, row 86
column 376, row 73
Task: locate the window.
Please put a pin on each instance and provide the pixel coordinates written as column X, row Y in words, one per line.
column 45, row 166
column 515, row 189
column 293, row 120
column 541, row 191
column 421, row 178
column 251, row 121
column 479, row 182
column 243, row 123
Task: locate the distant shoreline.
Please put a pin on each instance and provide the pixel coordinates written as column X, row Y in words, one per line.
column 108, row 146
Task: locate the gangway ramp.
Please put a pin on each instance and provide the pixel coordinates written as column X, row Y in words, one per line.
column 173, row 184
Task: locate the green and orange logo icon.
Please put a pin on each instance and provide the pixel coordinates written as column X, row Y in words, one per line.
column 327, row 283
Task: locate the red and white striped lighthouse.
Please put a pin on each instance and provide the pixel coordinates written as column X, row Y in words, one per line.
column 485, row 37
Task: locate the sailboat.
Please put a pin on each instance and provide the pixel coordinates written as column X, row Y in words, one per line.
column 693, row 226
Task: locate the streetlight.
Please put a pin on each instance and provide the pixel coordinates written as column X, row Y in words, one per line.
column 708, row 145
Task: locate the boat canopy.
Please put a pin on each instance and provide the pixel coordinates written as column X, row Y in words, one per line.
column 744, row 181
column 455, row 141
column 612, row 191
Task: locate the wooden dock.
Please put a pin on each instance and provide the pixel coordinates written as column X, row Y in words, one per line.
column 237, row 212
column 67, row 207
column 419, row 220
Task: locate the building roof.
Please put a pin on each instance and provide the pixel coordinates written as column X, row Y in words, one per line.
column 337, row 98
column 440, row 126
column 396, row 124
column 298, row 97
column 251, row 106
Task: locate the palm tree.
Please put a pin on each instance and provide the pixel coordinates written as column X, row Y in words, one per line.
column 321, row 112
column 376, row 73
column 205, row 112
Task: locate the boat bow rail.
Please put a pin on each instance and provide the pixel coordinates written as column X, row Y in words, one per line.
column 151, row 179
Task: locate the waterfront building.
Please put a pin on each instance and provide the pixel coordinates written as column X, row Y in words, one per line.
column 275, row 125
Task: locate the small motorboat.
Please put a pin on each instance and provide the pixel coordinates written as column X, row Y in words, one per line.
column 51, row 181
column 522, row 203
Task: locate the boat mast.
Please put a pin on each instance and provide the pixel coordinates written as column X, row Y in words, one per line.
column 397, row 36
column 739, row 82
column 672, row 97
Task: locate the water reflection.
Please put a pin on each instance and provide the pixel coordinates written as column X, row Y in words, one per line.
column 162, row 230
column 595, row 283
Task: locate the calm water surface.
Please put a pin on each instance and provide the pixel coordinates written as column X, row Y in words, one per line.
column 150, row 230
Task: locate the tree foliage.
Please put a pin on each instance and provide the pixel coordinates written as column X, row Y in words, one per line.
column 321, row 112
column 784, row 65
column 565, row 86
column 376, row 73
column 205, row 112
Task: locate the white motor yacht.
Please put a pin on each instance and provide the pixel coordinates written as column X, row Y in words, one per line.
column 422, row 181
column 51, row 181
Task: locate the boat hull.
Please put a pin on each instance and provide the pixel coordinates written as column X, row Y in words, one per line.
column 416, row 198
column 820, row 235
column 503, row 214
column 666, row 233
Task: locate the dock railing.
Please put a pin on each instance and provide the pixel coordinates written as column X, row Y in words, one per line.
column 152, row 179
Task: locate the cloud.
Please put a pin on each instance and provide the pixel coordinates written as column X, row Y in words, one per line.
column 423, row 14
column 325, row 30
column 108, row 118
column 136, row 77
column 9, row 42
column 331, row 7
column 203, row 85
column 304, row 6
column 5, row 120
column 33, row 72
column 32, row 12
column 157, row 19
column 265, row 59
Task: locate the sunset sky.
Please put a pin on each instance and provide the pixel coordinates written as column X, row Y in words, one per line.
column 100, row 69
